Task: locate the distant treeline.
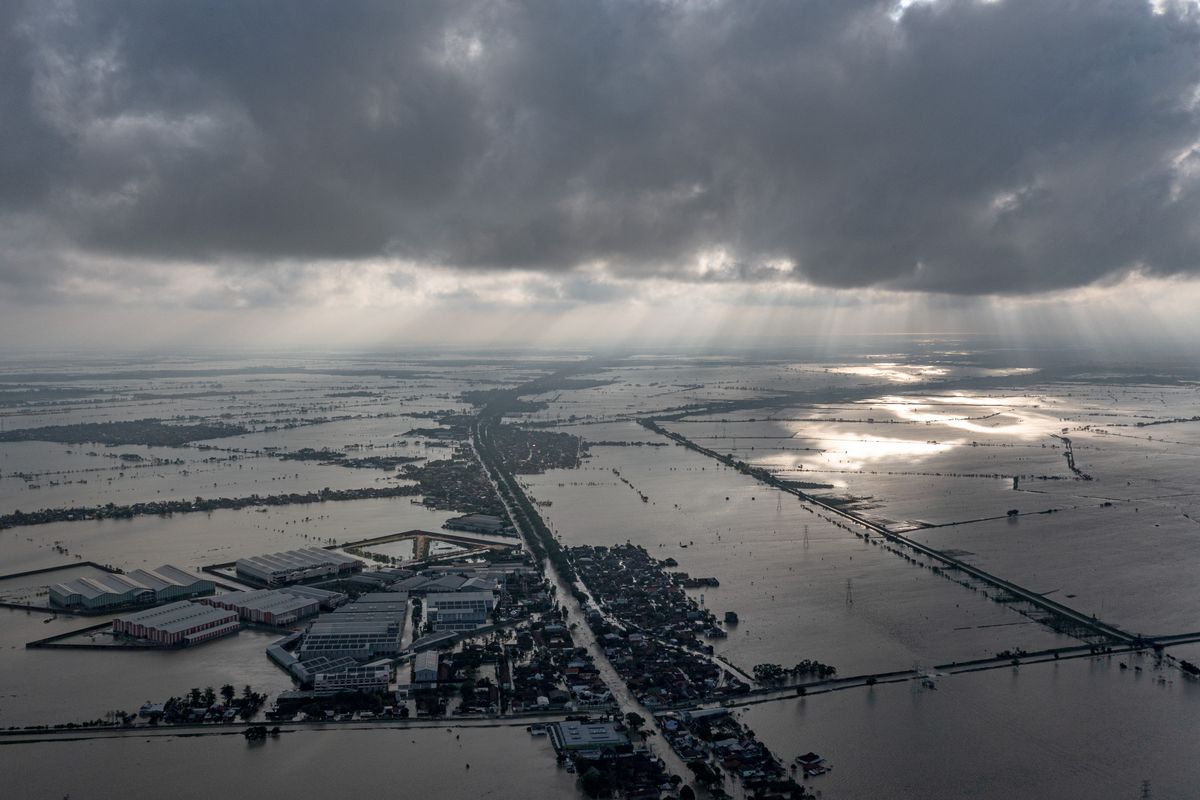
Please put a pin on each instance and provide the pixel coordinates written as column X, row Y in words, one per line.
column 338, row 458
column 150, row 431
column 42, row 395
column 166, row 507
column 1168, row 421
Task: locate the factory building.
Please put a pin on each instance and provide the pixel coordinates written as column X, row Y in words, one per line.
column 327, row 600
column 267, row 606
column 573, row 735
column 458, row 611
column 425, row 667
column 296, row 566
column 136, row 588
column 181, row 623
column 364, row 630
column 438, row 583
column 373, row 677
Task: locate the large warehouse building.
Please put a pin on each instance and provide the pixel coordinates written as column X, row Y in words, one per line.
column 136, row 588
column 458, row 611
column 178, row 624
column 296, row 566
column 267, row 606
column 367, row 629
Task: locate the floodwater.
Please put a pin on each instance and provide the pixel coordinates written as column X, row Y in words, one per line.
column 54, row 686
column 505, row 764
column 901, row 436
column 802, row 587
column 1079, row 728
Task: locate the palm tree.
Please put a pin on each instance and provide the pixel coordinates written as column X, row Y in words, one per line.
column 227, row 692
column 210, row 696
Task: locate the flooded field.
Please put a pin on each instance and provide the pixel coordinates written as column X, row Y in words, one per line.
column 1029, row 732
column 802, row 587
column 209, row 538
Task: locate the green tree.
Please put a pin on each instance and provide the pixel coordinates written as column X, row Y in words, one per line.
column 210, row 696
column 635, row 721
column 592, row 782
column 195, row 697
column 227, row 693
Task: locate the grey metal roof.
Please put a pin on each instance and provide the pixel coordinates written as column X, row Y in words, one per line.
column 179, row 616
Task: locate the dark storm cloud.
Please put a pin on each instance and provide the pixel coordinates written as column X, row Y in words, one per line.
column 963, row 147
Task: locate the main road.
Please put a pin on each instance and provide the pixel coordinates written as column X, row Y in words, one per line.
column 506, row 486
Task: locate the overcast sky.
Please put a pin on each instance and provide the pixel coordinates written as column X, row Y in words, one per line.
column 529, row 170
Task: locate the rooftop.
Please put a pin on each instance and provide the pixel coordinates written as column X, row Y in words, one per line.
column 179, row 616
column 578, row 735
column 139, row 580
column 304, row 558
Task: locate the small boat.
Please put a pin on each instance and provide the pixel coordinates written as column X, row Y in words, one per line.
column 537, row 730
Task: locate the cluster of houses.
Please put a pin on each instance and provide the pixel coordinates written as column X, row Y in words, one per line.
column 712, row 743
column 549, row 673
column 651, row 629
column 540, row 669
column 608, row 762
column 635, row 588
